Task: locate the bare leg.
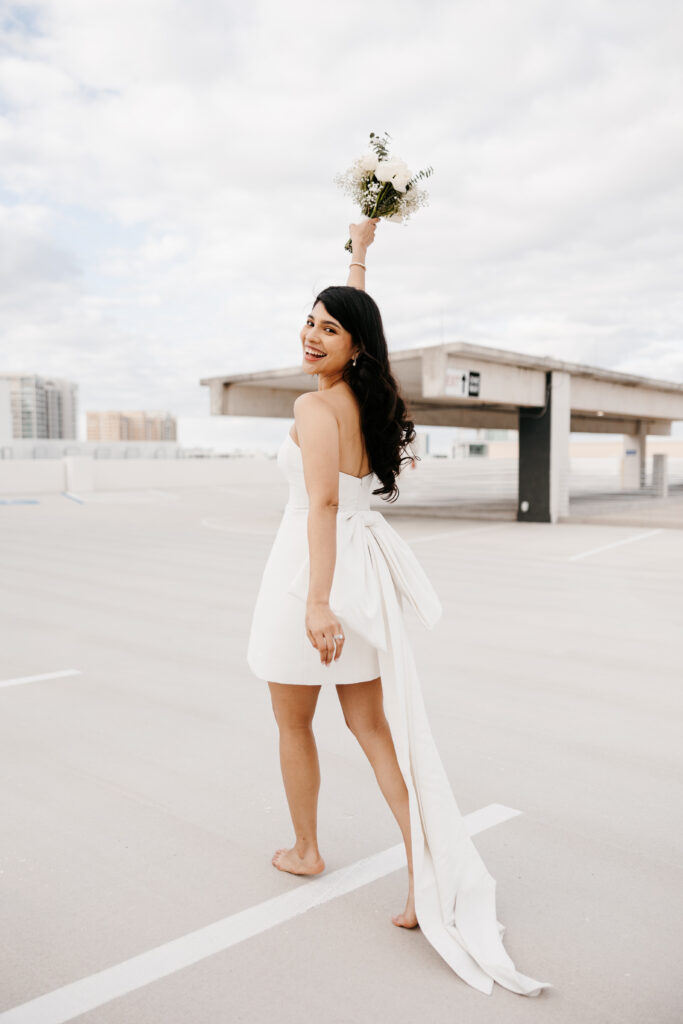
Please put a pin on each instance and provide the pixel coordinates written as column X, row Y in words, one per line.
column 363, row 709
column 294, row 707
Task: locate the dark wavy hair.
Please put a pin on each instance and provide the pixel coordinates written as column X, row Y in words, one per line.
column 386, row 426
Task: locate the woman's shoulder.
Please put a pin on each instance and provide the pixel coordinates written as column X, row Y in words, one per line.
column 316, row 407
column 340, row 400
column 312, row 401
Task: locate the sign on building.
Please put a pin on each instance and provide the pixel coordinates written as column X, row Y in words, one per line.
column 462, row 383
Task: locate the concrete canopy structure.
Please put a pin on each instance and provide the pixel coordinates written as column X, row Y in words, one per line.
column 464, row 385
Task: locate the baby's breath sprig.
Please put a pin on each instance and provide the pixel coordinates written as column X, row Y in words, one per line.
column 382, row 185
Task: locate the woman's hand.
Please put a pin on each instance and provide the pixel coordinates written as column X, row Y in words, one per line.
column 363, row 235
column 321, row 627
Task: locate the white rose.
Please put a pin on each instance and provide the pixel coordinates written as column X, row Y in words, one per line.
column 385, row 170
column 396, row 171
column 402, row 176
column 401, row 180
column 368, row 162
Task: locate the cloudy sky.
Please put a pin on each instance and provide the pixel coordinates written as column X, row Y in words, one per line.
column 168, row 211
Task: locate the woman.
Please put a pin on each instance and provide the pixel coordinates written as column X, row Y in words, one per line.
column 330, row 612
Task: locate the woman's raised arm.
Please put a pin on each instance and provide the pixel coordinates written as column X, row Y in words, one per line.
column 362, row 236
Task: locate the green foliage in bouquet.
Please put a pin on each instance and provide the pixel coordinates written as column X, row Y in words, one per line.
column 382, row 185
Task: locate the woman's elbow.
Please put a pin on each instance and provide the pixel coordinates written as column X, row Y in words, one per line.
column 321, row 503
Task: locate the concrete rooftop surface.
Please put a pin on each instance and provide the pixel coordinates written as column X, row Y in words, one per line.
column 142, row 797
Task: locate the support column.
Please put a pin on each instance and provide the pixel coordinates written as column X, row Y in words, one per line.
column 543, row 476
column 660, row 475
column 633, row 458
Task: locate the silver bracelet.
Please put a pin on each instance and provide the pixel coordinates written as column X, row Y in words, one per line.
column 356, row 264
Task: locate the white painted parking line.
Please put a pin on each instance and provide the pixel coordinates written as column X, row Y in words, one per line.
column 614, row 544
column 37, row 679
column 487, row 817
column 63, row 1004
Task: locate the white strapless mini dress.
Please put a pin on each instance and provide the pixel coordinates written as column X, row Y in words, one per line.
column 278, row 648
column 376, row 576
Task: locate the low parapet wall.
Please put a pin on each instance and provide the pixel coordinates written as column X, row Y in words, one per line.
column 82, row 475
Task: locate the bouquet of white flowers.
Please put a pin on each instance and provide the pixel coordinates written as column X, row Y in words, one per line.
column 382, row 185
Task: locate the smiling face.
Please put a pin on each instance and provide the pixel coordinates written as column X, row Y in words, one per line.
column 325, row 336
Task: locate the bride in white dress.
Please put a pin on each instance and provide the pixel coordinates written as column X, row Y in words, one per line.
column 330, row 611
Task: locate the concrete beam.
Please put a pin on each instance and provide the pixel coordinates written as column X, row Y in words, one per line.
column 216, row 389
column 432, row 415
column 248, row 400
column 624, row 400
column 497, row 383
column 613, row 425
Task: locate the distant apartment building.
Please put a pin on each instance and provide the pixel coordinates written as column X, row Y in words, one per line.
column 131, row 426
column 40, row 407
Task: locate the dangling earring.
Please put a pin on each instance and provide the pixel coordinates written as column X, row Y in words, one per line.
column 354, row 360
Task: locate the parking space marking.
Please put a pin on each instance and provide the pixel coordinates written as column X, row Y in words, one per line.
column 63, row 1004
column 37, row 679
column 615, row 544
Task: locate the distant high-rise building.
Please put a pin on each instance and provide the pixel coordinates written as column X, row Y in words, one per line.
column 42, row 406
column 131, row 426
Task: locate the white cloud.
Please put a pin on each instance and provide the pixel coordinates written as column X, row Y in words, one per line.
column 166, row 173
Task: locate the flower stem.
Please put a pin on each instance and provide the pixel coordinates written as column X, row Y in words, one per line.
column 379, row 198
column 385, row 186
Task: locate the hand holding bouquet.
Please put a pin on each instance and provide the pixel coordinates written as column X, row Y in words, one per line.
column 363, row 234
column 382, row 185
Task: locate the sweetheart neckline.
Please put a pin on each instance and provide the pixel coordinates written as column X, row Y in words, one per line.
column 341, row 472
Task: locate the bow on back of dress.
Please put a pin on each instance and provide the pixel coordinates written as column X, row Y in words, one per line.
column 363, row 537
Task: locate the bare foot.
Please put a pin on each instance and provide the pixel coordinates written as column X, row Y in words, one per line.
column 289, row 860
column 408, row 918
